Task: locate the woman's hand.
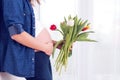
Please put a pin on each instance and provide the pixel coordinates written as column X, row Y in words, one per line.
column 60, row 45
column 47, row 48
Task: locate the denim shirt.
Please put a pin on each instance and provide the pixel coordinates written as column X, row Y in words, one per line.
column 16, row 16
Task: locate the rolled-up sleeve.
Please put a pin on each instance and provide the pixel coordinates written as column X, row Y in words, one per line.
column 13, row 16
column 15, row 29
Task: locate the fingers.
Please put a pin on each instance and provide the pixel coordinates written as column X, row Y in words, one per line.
column 49, row 48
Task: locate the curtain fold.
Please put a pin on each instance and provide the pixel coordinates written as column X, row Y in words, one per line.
column 100, row 61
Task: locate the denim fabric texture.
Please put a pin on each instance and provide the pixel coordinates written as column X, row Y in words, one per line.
column 42, row 67
column 16, row 16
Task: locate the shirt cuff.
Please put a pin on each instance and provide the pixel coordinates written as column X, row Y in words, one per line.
column 15, row 29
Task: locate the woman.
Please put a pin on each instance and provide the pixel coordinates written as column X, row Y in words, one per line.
column 21, row 53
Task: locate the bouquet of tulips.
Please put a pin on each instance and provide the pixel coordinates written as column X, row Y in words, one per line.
column 73, row 29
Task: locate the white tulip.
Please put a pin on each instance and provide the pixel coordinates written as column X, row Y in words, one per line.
column 70, row 22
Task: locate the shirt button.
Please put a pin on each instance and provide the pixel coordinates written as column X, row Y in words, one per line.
column 24, row 14
column 33, row 16
column 33, row 27
column 33, row 59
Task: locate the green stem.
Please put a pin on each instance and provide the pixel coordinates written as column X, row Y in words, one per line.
column 59, row 42
column 58, row 60
column 60, row 31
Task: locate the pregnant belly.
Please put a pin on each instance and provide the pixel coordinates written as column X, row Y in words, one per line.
column 44, row 36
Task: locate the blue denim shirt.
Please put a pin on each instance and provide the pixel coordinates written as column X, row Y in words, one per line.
column 16, row 16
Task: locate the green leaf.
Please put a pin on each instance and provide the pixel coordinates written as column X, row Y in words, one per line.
column 65, row 20
column 88, row 40
column 69, row 17
column 70, row 54
column 76, row 17
column 84, row 37
column 64, row 28
column 70, row 34
column 76, row 21
column 81, row 25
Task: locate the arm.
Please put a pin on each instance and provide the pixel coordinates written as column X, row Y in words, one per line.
column 27, row 40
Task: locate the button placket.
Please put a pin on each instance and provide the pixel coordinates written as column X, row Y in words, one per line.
column 33, row 59
column 33, row 16
column 24, row 14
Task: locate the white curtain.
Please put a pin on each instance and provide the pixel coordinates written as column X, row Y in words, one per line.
column 99, row 61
